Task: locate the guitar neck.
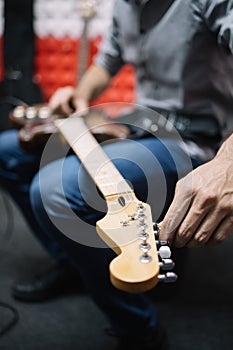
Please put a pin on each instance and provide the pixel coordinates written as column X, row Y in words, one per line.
column 87, row 10
column 105, row 175
column 83, row 51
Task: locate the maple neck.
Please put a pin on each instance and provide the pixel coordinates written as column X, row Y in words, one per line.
column 87, row 9
column 83, row 51
column 105, row 175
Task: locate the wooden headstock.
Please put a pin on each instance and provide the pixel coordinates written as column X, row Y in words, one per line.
column 87, row 8
column 129, row 232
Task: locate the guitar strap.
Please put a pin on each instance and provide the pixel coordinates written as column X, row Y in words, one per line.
column 18, row 59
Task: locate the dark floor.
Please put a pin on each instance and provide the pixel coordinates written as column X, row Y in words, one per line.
column 198, row 317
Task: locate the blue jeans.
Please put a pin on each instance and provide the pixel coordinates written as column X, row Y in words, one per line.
column 62, row 205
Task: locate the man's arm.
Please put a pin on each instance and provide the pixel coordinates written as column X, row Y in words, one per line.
column 96, row 79
column 202, row 209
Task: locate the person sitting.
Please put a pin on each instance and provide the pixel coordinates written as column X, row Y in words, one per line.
column 181, row 51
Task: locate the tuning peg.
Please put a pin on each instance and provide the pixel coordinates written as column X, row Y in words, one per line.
column 163, row 243
column 168, row 277
column 167, row 264
column 156, row 230
column 141, row 218
column 18, row 112
column 31, row 113
column 164, row 252
column 145, row 247
column 44, row 112
column 140, row 205
column 140, row 208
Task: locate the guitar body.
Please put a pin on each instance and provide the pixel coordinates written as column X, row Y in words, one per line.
column 34, row 137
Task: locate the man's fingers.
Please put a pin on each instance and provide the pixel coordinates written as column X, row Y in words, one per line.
column 206, row 229
column 199, row 223
column 172, row 220
column 80, row 105
column 59, row 102
column 175, row 215
column 222, row 232
column 66, row 108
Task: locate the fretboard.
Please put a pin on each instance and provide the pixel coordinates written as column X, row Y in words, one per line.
column 105, row 175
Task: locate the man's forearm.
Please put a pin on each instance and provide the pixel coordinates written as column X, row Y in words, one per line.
column 94, row 82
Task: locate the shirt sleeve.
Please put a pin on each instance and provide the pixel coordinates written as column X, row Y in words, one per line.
column 109, row 56
column 218, row 15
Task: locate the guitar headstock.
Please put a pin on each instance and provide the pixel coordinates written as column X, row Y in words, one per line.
column 87, row 8
column 131, row 233
column 23, row 114
column 35, row 124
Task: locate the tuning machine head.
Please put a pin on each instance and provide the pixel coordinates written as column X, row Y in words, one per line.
column 19, row 112
column 156, row 230
column 166, row 263
column 164, row 252
column 168, row 277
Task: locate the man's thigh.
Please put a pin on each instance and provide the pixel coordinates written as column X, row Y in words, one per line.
column 152, row 166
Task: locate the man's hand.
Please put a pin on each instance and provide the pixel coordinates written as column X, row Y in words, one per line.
column 69, row 99
column 64, row 101
column 202, row 210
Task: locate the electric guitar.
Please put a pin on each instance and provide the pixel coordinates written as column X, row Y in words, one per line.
column 127, row 228
column 35, row 122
